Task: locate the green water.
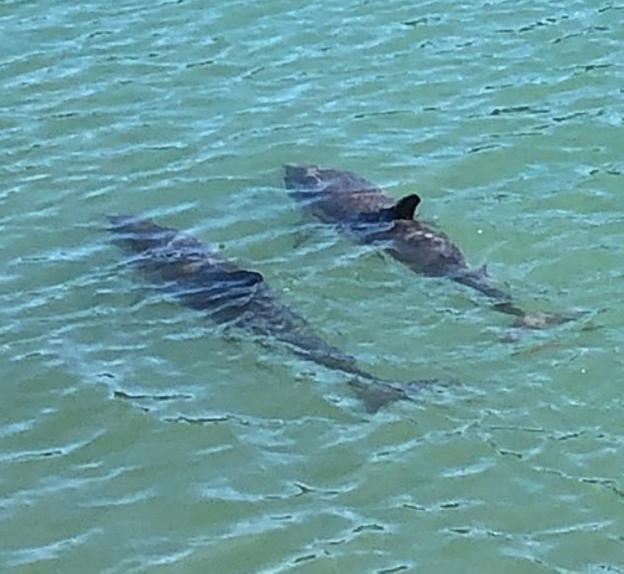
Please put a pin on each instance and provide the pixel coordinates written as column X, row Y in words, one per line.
column 506, row 117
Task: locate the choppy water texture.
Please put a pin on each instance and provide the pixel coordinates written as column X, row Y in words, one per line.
column 506, row 117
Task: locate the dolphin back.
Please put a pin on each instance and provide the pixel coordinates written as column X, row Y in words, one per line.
column 184, row 267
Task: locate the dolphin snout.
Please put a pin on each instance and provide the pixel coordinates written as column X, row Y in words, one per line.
column 300, row 175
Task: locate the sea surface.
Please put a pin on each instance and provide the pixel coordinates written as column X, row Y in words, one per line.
column 136, row 436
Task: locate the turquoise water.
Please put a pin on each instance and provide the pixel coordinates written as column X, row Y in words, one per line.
column 506, row 117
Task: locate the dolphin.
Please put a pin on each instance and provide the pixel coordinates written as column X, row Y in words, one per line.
column 201, row 280
column 366, row 213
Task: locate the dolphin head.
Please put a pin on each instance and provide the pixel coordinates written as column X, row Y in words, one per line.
column 302, row 176
column 137, row 234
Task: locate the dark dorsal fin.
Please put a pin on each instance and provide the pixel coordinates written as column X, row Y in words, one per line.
column 405, row 207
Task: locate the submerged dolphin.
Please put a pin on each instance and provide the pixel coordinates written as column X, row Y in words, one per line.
column 363, row 211
column 201, row 280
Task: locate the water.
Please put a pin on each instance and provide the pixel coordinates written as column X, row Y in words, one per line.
column 506, row 117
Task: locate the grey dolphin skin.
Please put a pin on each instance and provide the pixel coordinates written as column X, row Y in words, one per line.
column 363, row 211
column 201, row 280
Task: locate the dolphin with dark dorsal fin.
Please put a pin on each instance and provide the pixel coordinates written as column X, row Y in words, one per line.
column 365, row 212
column 201, row 280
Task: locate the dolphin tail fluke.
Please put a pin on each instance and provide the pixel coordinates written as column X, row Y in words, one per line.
column 375, row 394
column 540, row 320
column 479, row 280
column 374, row 397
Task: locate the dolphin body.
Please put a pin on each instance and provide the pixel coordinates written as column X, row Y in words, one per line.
column 201, row 280
column 362, row 210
